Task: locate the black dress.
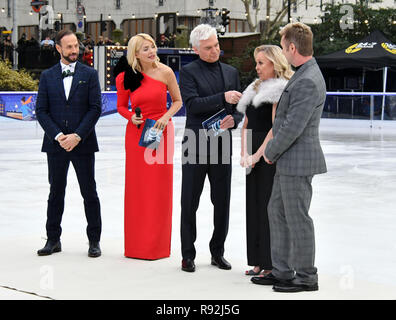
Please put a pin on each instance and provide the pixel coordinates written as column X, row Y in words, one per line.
column 258, row 189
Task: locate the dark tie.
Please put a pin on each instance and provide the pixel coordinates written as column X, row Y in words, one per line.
column 67, row 73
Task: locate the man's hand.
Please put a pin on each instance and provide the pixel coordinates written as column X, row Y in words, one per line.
column 227, row 122
column 266, row 159
column 68, row 141
column 232, row 97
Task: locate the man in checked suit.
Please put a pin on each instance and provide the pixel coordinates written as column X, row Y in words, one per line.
column 68, row 106
column 296, row 149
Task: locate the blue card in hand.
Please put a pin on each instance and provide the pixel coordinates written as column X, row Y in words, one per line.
column 212, row 124
column 150, row 137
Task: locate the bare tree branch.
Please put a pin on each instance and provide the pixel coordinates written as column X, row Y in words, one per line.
column 247, row 4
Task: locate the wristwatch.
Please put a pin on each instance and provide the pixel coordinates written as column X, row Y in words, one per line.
column 77, row 136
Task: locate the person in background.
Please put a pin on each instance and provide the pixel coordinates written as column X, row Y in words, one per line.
column 47, row 42
column 88, row 56
column 163, row 41
column 100, row 41
column 8, row 50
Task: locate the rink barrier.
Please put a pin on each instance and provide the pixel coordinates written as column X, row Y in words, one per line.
column 341, row 105
column 360, row 105
column 21, row 105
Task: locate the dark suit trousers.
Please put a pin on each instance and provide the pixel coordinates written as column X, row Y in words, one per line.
column 193, row 178
column 84, row 165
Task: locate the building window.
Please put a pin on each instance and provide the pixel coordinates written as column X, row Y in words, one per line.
column 161, row 3
column 255, row 4
column 211, row 3
column 118, row 4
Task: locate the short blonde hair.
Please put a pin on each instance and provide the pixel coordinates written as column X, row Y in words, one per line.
column 274, row 54
column 301, row 35
column 134, row 45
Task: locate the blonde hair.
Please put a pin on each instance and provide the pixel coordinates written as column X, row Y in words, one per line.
column 134, row 45
column 301, row 35
column 274, row 54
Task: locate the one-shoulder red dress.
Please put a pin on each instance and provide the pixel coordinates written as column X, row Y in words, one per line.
column 148, row 173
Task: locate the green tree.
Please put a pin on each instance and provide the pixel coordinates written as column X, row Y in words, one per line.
column 13, row 80
column 337, row 31
column 117, row 35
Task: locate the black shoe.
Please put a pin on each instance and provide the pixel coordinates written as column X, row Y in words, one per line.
column 188, row 265
column 267, row 280
column 221, row 263
column 291, row 287
column 94, row 249
column 49, row 248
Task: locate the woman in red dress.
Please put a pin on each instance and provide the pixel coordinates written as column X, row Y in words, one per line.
column 144, row 81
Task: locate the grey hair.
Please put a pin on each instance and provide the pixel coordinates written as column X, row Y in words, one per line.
column 201, row 32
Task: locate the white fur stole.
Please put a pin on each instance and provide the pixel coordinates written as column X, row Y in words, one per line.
column 268, row 91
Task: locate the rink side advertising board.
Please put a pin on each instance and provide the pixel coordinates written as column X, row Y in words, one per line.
column 22, row 105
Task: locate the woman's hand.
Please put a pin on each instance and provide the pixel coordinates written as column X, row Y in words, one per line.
column 249, row 160
column 253, row 159
column 243, row 161
column 162, row 122
column 137, row 120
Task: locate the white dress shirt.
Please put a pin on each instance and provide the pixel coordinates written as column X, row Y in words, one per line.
column 67, row 82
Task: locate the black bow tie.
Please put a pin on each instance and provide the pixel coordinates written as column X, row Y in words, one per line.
column 67, row 73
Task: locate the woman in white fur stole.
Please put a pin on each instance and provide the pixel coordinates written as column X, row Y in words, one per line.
column 259, row 102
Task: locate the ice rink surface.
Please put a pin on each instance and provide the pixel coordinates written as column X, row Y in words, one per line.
column 353, row 209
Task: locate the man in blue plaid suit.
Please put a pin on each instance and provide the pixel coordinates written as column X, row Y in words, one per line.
column 68, row 106
column 296, row 149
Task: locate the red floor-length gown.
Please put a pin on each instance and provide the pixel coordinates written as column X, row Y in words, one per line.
column 148, row 173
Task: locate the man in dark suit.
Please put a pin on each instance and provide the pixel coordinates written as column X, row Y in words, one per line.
column 296, row 149
column 207, row 86
column 68, row 106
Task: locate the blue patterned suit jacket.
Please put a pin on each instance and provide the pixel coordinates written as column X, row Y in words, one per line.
column 78, row 114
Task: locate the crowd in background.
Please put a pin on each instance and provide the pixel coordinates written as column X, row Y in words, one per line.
column 33, row 54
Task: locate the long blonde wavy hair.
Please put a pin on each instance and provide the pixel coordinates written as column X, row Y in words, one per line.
column 274, row 54
column 134, row 45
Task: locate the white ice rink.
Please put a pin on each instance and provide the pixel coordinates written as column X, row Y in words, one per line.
column 353, row 208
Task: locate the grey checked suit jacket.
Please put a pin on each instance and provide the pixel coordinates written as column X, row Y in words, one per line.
column 296, row 147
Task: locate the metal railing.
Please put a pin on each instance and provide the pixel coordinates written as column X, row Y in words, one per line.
column 360, row 105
